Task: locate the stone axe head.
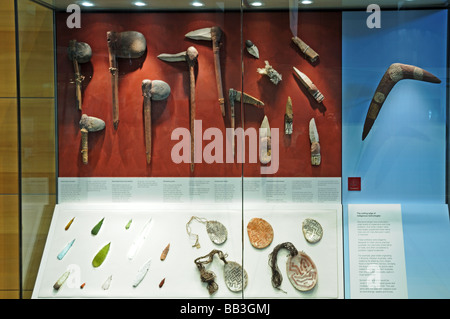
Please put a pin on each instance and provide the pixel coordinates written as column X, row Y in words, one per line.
column 189, row 56
column 79, row 51
column 88, row 124
column 152, row 90
column 156, row 90
column 128, row 44
column 208, row 34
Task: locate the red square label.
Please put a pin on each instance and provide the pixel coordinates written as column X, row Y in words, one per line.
column 354, row 183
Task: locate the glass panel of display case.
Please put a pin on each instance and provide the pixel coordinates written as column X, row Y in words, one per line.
column 295, row 188
column 37, row 134
column 394, row 110
column 142, row 124
column 234, row 149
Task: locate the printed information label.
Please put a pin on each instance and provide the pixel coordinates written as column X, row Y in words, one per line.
column 216, row 190
column 376, row 251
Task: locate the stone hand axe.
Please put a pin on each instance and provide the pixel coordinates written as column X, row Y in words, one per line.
column 88, row 124
column 213, row 34
column 189, row 56
column 129, row 45
column 152, row 90
column 79, row 52
column 243, row 97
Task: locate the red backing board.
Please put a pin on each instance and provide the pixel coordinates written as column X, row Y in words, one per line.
column 121, row 152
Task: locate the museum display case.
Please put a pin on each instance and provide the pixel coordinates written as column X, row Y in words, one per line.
column 233, row 149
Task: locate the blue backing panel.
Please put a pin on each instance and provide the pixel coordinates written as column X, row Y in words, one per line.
column 426, row 234
column 403, row 159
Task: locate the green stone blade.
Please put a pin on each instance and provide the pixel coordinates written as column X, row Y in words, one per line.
column 97, row 227
column 101, row 255
column 129, row 224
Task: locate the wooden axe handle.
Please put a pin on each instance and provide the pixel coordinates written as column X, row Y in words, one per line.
column 84, row 145
column 232, row 126
column 192, row 114
column 216, row 34
column 78, row 80
column 308, row 52
column 148, row 127
column 115, row 103
column 112, row 40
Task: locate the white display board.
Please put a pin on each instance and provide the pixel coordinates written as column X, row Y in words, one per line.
column 286, row 221
column 181, row 275
column 168, row 226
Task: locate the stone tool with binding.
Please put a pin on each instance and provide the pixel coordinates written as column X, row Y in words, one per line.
column 128, row 45
column 213, row 34
column 190, row 57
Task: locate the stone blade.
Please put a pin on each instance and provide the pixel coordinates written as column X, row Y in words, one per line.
column 141, row 273
column 65, row 250
column 137, row 244
column 313, row 134
column 173, row 57
column 200, row 34
column 101, row 256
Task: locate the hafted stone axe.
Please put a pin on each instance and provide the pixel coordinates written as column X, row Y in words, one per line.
column 129, row 45
column 189, row 56
column 213, row 34
column 88, row 124
column 243, row 97
column 79, row 52
column 152, row 90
